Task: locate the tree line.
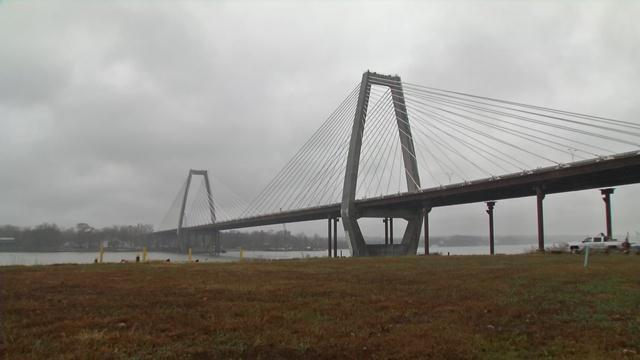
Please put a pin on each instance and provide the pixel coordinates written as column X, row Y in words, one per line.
column 84, row 237
column 51, row 237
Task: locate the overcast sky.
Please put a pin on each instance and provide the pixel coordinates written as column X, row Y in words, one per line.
column 105, row 105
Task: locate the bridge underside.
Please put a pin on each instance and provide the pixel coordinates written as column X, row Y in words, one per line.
column 621, row 169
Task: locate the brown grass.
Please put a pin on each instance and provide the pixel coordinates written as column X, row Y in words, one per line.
column 528, row 306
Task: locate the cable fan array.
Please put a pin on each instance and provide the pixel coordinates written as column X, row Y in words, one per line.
column 462, row 137
column 315, row 174
column 457, row 138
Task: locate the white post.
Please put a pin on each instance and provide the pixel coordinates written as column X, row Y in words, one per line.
column 586, row 256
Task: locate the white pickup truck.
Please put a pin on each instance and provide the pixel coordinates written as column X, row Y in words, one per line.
column 599, row 242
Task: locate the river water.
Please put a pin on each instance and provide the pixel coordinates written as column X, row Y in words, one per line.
column 48, row 258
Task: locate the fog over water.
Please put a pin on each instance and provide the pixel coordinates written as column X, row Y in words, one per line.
column 106, row 105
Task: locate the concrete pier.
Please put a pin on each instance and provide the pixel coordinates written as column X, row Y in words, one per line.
column 490, row 205
column 606, row 197
column 539, row 197
column 426, row 230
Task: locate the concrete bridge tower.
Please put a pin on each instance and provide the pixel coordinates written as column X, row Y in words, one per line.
column 348, row 210
column 185, row 238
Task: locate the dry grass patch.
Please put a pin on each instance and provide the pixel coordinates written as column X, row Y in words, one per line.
column 527, row 306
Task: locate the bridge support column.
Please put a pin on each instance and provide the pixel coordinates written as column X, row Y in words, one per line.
column 426, row 230
column 606, row 197
column 348, row 210
column 539, row 197
column 329, row 237
column 335, row 237
column 386, row 231
column 213, row 245
column 391, row 231
column 490, row 205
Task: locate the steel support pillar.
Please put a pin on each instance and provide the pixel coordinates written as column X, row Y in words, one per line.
column 329, row 237
column 386, row 231
column 490, row 205
column 426, row 230
column 218, row 246
column 348, row 210
column 335, row 237
column 539, row 197
column 606, row 197
column 391, row 231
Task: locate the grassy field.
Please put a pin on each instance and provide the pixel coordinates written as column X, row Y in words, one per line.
column 526, row 306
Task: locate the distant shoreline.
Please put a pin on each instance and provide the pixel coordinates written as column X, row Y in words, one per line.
column 167, row 251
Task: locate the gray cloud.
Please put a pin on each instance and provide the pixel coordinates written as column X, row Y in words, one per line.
column 104, row 106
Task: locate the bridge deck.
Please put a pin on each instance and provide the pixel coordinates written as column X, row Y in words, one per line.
column 615, row 170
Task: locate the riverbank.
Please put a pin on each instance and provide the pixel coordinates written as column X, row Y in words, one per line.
column 520, row 306
column 66, row 257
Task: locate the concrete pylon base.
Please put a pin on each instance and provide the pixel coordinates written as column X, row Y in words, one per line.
column 408, row 246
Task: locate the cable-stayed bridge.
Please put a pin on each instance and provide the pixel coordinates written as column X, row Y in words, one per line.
column 393, row 149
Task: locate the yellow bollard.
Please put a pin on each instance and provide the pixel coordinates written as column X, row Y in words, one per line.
column 241, row 253
column 144, row 254
column 101, row 252
column 189, row 254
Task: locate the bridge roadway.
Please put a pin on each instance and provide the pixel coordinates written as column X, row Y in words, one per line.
column 614, row 170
